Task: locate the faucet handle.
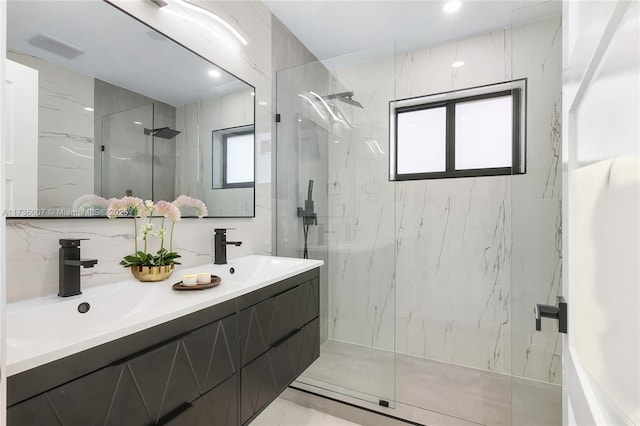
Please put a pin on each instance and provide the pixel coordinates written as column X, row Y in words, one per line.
column 70, row 242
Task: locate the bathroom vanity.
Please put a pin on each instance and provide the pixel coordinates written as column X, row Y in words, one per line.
column 208, row 357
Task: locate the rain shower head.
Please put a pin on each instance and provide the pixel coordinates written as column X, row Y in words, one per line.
column 162, row 132
column 346, row 97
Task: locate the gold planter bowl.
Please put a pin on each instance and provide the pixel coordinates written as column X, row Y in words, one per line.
column 152, row 273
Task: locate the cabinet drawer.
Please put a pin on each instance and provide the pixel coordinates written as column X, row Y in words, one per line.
column 218, row 407
column 268, row 322
column 264, row 378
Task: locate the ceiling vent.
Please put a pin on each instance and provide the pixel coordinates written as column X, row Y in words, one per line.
column 54, row 46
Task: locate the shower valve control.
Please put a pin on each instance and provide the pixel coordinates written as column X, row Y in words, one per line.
column 555, row 312
column 308, row 215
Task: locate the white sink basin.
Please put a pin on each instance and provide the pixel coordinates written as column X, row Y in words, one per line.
column 42, row 330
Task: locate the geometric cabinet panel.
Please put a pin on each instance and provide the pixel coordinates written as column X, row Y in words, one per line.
column 142, row 390
column 265, row 324
column 221, row 374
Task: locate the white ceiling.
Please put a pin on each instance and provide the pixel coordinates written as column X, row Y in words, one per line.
column 118, row 49
column 336, row 27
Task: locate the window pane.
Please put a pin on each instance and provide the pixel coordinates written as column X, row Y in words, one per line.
column 421, row 141
column 483, row 133
column 239, row 148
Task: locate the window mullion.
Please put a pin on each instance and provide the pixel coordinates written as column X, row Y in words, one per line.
column 451, row 137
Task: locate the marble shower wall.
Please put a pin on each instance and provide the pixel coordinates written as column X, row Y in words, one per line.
column 473, row 254
column 65, row 132
column 113, row 102
column 32, row 245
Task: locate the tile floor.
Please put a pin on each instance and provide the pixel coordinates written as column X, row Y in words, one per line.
column 285, row 413
column 429, row 392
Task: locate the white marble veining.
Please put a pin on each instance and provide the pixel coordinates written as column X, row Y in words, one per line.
column 32, row 245
column 194, row 153
column 451, row 268
column 45, row 329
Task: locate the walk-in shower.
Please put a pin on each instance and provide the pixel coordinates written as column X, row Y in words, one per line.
column 428, row 286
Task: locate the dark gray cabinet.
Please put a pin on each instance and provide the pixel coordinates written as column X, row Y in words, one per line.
column 218, row 366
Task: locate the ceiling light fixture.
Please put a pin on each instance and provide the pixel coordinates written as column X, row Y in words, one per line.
column 335, row 117
column 313, row 105
column 210, row 14
column 214, row 73
column 451, row 6
column 88, row 109
column 201, row 25
column 457, row 64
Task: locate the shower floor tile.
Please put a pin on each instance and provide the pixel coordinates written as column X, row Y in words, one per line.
column 430, row 392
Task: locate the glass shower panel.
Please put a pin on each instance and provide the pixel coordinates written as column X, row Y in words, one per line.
column 332, row 161
column 127, row 159
column 536, row 222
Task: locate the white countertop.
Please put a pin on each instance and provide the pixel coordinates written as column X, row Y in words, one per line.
column 45, row 329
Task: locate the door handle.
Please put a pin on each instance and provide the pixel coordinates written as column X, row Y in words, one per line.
column 556, row 312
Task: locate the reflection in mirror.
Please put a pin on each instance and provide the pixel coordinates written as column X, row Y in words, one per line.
column 118, row 113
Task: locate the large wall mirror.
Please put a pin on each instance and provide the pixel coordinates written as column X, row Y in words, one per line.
column 104, row 106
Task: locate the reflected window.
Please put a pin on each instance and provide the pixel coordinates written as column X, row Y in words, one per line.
column 233, row 158
column 466, row 133
column 238, row 171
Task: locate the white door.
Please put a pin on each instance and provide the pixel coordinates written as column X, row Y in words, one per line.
column 21, row 146
column 601, row 359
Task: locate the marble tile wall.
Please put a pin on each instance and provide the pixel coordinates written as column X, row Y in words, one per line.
column 32, row 245
column 195, row 148
column 65, row 132
column 472, row 255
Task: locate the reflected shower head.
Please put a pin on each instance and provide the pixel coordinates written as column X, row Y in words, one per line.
column 346, row 97
column 162, row 132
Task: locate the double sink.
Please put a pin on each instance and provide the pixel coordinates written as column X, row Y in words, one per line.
column 46, row 329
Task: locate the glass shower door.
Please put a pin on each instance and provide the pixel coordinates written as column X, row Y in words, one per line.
column 127, row 158
column 335, row 203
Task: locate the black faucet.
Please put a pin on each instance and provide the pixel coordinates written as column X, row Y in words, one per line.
column 69, row 267
column 220, row 246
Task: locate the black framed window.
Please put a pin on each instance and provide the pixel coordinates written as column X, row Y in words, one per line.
column 467, row 133
column 233, row 158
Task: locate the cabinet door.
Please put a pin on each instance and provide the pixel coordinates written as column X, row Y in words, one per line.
column 212, row 351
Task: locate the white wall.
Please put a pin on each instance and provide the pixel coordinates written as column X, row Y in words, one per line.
column 3, row 135
column 32, row 245
column 601, row 182
column 65, row 132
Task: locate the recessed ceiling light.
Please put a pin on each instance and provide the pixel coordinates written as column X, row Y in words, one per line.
column 451, row 6
column 214, row 73
column 457, row 64
column 88, row 109
column 263, row 103
column 137, row 122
